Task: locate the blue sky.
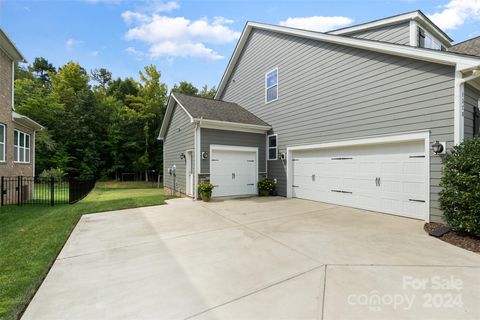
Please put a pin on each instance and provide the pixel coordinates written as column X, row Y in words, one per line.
column 190, row 40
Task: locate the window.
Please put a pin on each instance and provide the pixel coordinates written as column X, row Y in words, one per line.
column 21, row 147
column 272, row 147
column 426, row 40
column 271, row 85
column 3, row 138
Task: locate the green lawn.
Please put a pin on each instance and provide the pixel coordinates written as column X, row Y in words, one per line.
column 31, row 237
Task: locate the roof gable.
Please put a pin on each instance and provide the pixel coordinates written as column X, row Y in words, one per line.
column 9, row 48
column 435, row 56
column 417, row 16
column 202, row 110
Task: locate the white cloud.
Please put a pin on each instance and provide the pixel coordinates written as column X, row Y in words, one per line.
column 130, row 17
column 158, row 7
column 139, row 55
column 93, row 53
column 317, row 23
column 456, row 13
column 178, row 36
column 71, row 43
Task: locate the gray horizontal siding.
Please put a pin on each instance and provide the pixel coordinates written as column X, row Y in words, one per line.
column 399, row 33
column 472, row 97
column 232, row 138
column 329, row 92
column 179, row 138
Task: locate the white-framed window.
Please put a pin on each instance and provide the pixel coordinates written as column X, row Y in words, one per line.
column 271, row 85
column 21, row 147
column 426, row 40
column 272, row 147
column 3, row 142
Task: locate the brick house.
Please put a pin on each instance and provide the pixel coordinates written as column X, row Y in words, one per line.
column 17, row 132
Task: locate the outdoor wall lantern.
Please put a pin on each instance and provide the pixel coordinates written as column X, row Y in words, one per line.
column 204, row 155
column 283, row 156
column 438, row 147
column 182, row 156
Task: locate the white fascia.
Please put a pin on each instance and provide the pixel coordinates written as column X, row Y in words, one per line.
column 168, row 114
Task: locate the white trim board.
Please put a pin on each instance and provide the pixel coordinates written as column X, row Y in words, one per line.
column 435, row 56
column 413, row 136
column 232, row 126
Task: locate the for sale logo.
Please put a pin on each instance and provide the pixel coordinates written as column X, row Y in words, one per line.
column 433, row 292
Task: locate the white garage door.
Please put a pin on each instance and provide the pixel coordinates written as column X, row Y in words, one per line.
column 388, row 178
column 233, row 172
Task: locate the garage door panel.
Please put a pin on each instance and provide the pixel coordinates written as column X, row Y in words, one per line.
column 400, row 167
column 233, row 172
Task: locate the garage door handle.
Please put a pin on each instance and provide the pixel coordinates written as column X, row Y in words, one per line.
column 250, row 184
column 294, row 186
column 415, row 200
column 342, row 191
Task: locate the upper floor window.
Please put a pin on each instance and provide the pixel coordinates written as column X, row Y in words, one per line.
column 271, row 85
column 272, row 147
column 21, row 147
column 3, row 140
column 426, row 40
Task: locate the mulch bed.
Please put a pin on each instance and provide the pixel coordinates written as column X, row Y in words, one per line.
column 458, row 239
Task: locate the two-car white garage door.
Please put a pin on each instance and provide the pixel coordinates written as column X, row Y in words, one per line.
column 390, row 178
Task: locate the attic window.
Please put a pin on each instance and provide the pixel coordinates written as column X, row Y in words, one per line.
column 271, row 85
column 426, row 40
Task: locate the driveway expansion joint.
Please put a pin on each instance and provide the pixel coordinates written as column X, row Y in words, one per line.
column 254, row 292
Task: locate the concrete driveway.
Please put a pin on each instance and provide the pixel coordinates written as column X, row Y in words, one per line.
column 256, row 258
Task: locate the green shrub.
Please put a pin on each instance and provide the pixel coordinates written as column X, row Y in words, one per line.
column 55, row 173
column 205, row 188
column 265, row 185
column 460, row 194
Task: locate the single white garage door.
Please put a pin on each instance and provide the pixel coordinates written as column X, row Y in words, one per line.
column 233, row 172
column 390, row 178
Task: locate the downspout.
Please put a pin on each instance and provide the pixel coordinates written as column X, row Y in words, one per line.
column 197, row 158
column 475, row 75
column 33, row 152
column 459, row 97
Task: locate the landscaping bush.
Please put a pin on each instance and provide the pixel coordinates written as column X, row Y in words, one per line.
column 460, row 195
column 55, row 173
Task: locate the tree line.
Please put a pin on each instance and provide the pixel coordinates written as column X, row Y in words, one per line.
column 96, row 126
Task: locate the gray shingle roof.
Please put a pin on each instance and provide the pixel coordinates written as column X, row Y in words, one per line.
column 210, row 109
column 471, row 47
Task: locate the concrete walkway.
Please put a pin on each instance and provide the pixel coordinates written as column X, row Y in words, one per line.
column 256, row 258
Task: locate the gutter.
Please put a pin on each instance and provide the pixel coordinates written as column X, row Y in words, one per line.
column 204, row 122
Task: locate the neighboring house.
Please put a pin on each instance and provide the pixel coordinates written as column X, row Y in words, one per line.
column 17, row 132
column 347, row 117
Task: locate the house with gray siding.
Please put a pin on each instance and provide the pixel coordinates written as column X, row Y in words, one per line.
column 346, row 117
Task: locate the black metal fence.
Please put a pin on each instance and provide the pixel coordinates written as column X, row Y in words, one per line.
column 42, row 191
